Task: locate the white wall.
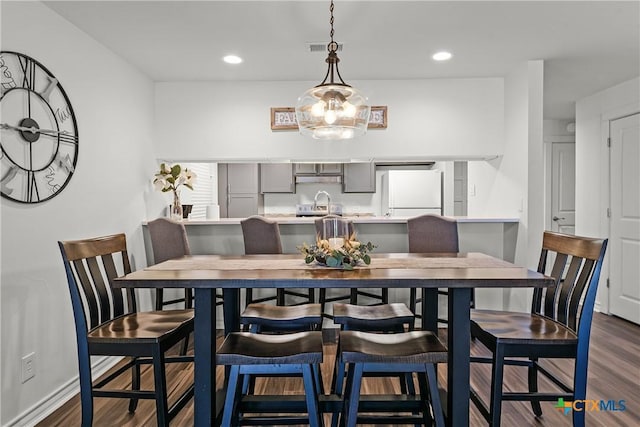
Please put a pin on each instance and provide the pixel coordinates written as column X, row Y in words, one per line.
column 506, row 186
column 593, row 114
column 426, row 119
column 114, row 107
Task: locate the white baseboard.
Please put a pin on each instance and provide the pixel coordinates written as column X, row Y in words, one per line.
column 59, row 397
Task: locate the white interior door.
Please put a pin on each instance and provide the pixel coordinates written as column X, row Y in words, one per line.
column 563, row 187
column 624, row 243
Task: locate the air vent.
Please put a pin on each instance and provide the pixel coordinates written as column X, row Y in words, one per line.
column 321, row 47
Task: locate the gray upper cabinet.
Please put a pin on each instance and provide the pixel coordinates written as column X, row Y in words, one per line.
column 242, row 178
column 276, row 178
column 318, row 168
column 359, row 178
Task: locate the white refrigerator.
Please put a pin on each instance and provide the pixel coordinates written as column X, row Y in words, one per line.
column 409, row 193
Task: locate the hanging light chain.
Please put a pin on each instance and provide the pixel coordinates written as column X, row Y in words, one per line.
column 331, row 22
column 332, row 47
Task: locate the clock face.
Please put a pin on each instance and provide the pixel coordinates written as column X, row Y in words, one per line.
column 38, row 131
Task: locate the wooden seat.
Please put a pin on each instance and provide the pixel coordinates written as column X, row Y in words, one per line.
column 557, row 327
column 429, row 234
column 379, row 318
column 271, row 318
column 262, row 236
column 249, row 353
column 414, row 351
column 108, row 325
column 352, row 296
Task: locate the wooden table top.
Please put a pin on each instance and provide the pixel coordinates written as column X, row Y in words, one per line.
column 397, row 270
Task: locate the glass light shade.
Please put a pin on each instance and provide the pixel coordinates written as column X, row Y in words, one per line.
column 332, row 111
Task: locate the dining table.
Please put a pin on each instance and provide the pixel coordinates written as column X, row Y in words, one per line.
column 457, row 272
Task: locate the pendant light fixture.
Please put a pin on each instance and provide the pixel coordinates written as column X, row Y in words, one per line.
column 332, row 109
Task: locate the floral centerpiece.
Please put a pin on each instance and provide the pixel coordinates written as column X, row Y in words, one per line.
column 170, row 178
column 345, row 254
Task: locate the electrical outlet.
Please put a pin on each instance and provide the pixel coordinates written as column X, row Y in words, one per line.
column 28, row 367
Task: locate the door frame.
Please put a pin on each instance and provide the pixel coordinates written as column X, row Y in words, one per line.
column 548, row 171
column 602, row 300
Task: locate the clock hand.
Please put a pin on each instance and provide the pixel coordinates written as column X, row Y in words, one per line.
column 32, row 129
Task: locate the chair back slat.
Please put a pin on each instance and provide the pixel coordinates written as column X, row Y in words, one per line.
column 576, row 270
column 116, row 294
column 92, row 265
column 432, row 233
column 578, row 293
column 100, row 288
column 82, row 275
column 566, row 288
column 261, row 236
column 557, row 271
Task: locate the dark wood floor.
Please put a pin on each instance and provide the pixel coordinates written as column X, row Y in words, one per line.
column 614, row 373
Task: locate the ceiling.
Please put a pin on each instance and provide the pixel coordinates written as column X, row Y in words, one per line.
column 586, row 46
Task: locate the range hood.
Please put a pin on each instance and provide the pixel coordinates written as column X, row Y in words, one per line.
column 320, row 179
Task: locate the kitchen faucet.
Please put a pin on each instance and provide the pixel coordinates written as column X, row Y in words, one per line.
column 315, row 201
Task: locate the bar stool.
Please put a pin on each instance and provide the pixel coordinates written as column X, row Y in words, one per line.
column 353, row 294
column 414, row 351
column 262, row 236
column 385, row 318
column 267, row 318
column 249, row 353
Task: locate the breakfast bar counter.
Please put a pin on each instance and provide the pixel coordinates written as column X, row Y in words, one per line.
column 493, row 236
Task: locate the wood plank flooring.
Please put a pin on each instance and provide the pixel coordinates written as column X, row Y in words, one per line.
column 614, row 373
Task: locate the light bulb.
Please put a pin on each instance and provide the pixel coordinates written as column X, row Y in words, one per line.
column 330, row 116
column 348, row 110
column 318, row 109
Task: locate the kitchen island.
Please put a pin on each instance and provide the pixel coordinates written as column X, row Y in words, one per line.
column 494, row 236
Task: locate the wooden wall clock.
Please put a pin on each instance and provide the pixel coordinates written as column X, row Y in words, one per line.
column 38, row 131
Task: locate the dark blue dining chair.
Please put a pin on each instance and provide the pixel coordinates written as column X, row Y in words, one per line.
column 558, row 326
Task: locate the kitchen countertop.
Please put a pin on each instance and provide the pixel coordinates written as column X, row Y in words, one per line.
column 365, row 219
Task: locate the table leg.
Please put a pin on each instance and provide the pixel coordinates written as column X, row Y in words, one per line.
column 459, row 339
column 430, row 309
column 204, row 356
column 231, row 310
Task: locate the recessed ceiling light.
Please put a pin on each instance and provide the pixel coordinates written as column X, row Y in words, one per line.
column 442, row 56
column 232, row 59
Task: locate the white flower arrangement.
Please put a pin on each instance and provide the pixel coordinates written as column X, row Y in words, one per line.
column 170, row 178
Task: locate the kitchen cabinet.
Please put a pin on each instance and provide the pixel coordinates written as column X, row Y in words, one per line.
column 359, row 178
column 238, row 191
column 242, row 205
column 242, row 178
column 318, row 168
column 276, row 178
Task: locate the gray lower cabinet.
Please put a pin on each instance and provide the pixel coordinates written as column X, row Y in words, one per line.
column 242, row 205
column 359, row 178
column 277, row 178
